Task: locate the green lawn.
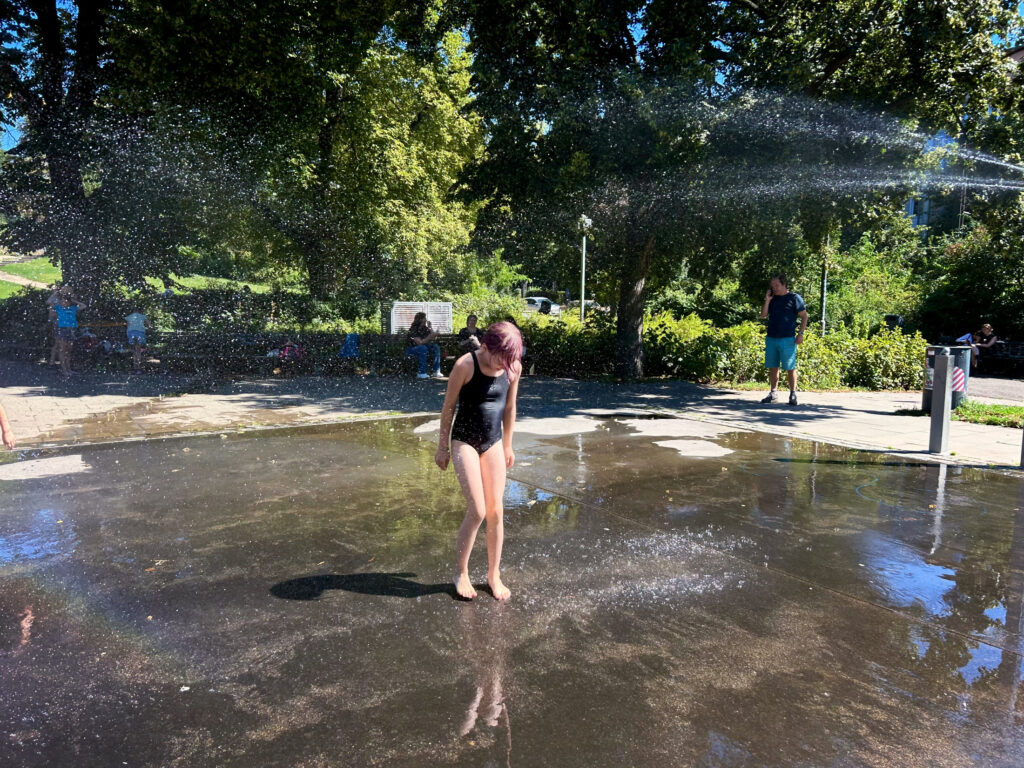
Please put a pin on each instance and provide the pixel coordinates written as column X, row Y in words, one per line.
column 980, row 413
column 36, row 269
column 8, row 289
column 200, row 281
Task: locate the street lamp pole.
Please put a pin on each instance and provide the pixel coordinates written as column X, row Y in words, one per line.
column 584, row 223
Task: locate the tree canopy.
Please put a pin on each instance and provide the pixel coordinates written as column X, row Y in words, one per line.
column 387, row 149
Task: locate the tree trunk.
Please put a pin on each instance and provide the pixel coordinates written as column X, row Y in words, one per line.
column 321, row 271
column 629, row 325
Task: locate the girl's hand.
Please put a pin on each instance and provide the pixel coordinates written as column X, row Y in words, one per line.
column 510, row 458
column 9, row 440
column 442, row 457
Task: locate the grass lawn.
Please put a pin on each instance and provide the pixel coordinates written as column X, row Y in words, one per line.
column 980, row 413
column 36, row 269
column 8, row 289
column 193, row 282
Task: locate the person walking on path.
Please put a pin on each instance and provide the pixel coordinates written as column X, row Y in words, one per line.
column 782, row 307
column 484, row 384
column 67, row 325
column 419, row 341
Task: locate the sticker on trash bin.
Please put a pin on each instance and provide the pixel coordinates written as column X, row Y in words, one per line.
column 958, row 380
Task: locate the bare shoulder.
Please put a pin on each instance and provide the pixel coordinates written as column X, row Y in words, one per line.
column 517, row 373
column 463, row 369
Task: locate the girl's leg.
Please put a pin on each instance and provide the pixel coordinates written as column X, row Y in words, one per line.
column 65, row 357
column 466, row 462
column 492, row 467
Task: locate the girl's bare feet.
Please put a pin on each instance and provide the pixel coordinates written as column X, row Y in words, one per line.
column 464, row 586
column 498, row 589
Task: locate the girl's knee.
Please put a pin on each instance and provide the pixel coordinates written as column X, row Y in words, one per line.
column 476, row 513
column 495, row 512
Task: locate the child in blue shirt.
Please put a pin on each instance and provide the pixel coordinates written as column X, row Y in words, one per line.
column 67, row 325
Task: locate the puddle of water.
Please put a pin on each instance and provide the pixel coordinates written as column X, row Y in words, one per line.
column 284, row 597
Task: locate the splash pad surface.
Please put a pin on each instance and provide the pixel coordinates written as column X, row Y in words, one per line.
column 283, row 599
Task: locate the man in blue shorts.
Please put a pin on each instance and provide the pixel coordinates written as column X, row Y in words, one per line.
column 782, row 307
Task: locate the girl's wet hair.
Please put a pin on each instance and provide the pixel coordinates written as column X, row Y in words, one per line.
column 505, row 342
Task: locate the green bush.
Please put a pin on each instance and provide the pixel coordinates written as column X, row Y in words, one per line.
column 489, row 307
column 667, row 343
column 702, row 353
column 23, row 317
column 888, row 360
column 564, row 346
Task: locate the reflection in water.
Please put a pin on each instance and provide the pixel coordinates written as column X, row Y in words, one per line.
column 28, row 617
column 1009, row 672
column 485, row 646
column 45, row 534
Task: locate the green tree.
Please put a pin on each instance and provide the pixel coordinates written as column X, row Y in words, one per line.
column 351, row 124
column 52, row 58
column 571, row 97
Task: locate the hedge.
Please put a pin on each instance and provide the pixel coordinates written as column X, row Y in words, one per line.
column 690, row 347
column 693, row 349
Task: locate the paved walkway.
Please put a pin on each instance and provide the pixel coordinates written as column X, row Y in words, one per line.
column 7, row 277
column 103, row 407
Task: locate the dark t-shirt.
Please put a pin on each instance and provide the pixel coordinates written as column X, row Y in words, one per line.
column 782, row 314
column 416, row 331
column 465, row 333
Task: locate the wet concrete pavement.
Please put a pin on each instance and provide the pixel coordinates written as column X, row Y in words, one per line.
column 684, row 593
column 106, row 407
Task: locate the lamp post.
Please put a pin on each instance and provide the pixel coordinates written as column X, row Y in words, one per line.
column 585, row 223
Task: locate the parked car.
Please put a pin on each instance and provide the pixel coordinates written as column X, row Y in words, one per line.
column 542, row 305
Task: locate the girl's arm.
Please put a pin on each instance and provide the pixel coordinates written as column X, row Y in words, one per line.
column 508, row 418
column 991, row 342
column 461, row 373
column 5, row 431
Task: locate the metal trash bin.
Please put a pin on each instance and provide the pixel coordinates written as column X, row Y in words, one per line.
column 961, row 374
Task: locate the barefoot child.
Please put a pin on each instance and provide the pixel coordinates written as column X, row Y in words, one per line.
column 484, row 383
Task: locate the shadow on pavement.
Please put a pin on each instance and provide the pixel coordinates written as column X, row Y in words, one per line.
column 382, row 584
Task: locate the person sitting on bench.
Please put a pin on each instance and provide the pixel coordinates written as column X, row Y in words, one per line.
column 470, row 336
column 419, row 341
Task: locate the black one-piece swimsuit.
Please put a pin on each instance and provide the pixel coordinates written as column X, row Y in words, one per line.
column 481, row 408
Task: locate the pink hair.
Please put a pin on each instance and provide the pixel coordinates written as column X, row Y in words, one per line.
column 505, row 342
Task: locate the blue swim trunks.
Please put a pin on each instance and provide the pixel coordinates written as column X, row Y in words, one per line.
column 137, row 336
column 780, row 353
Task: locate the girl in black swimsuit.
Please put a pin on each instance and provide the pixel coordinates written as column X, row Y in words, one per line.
column 484, row 383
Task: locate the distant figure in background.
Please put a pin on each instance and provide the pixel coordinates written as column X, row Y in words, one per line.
column 470, row 336
column 67, row 325
column 419, row 341
column 782, row 307
column 50, row 304
column 986, row 340
column 5, row 429
column 137, row 325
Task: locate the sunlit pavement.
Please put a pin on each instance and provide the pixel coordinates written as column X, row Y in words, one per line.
column 684, row 593
column 98, row 408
